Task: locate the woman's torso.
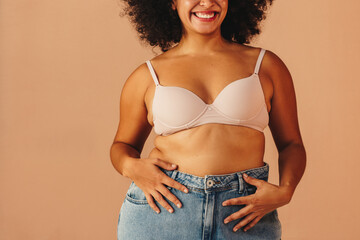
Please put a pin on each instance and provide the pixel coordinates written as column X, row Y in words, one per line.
column 211, row 148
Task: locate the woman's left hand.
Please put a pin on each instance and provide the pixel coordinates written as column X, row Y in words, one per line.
column 267, row 198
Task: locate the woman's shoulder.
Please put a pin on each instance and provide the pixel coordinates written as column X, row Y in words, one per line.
column 270, row 62
column 140, row 78
column 273, row 58
column 274, row 66
column 255, row 50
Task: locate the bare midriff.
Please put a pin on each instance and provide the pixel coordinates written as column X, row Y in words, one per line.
column 212, row 149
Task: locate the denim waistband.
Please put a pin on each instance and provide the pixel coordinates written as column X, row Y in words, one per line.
column 211, row 183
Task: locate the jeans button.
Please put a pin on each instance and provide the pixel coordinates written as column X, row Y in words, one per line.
column 210, row 182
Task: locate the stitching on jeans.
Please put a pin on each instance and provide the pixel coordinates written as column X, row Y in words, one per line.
column 136, row 201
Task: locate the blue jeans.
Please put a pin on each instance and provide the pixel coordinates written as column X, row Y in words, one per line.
column 201, row 215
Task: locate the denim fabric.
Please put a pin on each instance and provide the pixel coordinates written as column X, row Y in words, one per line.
column 202, row 215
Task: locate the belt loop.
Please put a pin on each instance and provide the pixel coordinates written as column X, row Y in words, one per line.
column 173, row 174
column 241, row 182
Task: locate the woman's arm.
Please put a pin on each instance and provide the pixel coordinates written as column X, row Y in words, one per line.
column 133, row 128
column 284, row 126
column 130, row 137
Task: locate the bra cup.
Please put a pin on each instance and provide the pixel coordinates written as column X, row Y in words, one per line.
column 261, row 120
column 242, row 100
column 176, row 107
column 162, row 129
column 263, row 117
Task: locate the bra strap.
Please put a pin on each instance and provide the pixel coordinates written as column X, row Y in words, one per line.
column 258, row 62
column 152, row 72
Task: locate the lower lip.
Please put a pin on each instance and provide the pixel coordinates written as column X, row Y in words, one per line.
column 206, row 19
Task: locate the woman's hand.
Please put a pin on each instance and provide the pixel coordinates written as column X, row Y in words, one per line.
column 267, row 198
column 150, row 179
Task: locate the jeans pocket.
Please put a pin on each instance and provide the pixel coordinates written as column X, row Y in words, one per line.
column 135, row 195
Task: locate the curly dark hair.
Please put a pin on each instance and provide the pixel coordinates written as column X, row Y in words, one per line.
column 160, row 25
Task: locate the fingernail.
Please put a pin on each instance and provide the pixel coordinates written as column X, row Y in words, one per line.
column 226, row 221
column 186, row 190
column 245, row 175
column 224, row 204
column 178, row 205
column 235, row 229
column 170, row 210
column 245, row 230
column 157, row 211
column 173, row 165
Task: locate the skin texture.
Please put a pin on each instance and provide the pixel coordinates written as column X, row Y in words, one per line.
column 221, row 148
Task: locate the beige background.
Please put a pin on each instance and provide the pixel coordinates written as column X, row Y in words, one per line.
column 62, row 67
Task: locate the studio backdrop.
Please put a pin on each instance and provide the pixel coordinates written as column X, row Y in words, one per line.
column 62, row 67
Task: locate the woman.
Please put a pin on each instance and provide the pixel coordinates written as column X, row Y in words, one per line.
column 209, row 99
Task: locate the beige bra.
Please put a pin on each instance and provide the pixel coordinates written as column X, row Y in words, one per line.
column 241, row 103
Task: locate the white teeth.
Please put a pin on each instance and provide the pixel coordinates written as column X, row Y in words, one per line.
column 202, row 15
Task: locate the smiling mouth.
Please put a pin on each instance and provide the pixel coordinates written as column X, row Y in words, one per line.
column 205, row 15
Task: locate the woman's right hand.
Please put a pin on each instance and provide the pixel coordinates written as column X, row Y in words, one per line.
column 151, row 180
